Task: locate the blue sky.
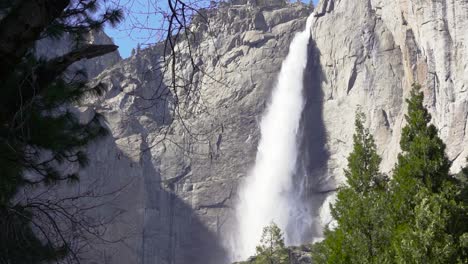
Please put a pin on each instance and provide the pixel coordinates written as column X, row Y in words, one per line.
column 134, row 29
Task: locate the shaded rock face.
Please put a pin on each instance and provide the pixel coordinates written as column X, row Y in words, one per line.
column 181, row 167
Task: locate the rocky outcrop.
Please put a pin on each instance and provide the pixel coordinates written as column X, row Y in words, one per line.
column 181, row 163
column 51, row 48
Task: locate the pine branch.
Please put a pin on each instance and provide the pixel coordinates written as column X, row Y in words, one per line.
column 22, row 26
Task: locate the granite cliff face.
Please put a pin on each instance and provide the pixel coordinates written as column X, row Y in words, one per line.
column 181, row 166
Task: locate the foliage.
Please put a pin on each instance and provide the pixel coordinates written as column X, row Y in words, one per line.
column 363, row 173
column 423, row 152
column 82, row 16
column 359, row 206
column 40, row 135
column 419, row 216
column 271, row 249
column 426, row 237
column 36, row 138
column 426, row 202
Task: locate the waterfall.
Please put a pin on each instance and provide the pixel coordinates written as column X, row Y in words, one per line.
column 268, row 192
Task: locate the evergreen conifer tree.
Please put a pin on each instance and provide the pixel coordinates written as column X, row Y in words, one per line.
column 426, row 199
column 359, row 208
column 271, row 249
column 423, row 152
column 38, row 132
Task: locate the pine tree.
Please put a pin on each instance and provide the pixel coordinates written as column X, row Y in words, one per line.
column 272, row 249
column 363, row 163
column 426, row 204
column 360, row 207
column 423, row 152
column 422, row 162
column 38, row 132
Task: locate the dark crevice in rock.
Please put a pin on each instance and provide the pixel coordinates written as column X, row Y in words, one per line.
column 218, row 142
column 386, row 121
column 435, row 85
column 352, row 79
column 404, row 22
column 466, row 123
column 331, row 6
column 456, row 156
column 170, row 183
column 259, row 21
column 323, row 9
column 412, row 49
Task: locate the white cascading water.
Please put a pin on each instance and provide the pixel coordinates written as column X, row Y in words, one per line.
column 268, row 193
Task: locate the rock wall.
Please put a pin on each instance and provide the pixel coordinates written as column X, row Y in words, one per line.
column 181, row 165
